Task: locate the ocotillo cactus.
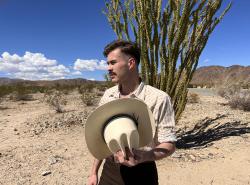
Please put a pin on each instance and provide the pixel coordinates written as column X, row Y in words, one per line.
column 171, row 34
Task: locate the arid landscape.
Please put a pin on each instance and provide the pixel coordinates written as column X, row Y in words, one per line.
column 40, row 146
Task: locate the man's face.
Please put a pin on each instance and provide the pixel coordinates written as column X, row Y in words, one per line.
column 118, row 66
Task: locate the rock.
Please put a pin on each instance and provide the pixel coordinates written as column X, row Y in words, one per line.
column 15, row 129
column 52, row 160
column 210, row 155
column 176, row 155
column 192, row 157
column 45, row 173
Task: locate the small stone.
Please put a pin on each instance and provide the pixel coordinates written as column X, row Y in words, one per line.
column 176, row 155
column 15, row 129
column 192, row 157
column 45, row 173
column 52, row 160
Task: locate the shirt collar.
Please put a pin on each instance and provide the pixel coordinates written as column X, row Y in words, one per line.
column 134, row 94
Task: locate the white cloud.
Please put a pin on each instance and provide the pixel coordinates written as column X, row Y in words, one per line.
column 89, row 65
column 206, row 60
column 32, row 66
column 77, row 73
column 36, row 66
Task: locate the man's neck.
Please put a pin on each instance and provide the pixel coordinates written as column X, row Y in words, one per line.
column 129, row 86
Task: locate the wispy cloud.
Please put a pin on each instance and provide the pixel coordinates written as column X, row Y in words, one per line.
column 89, row 65
column 206, row 60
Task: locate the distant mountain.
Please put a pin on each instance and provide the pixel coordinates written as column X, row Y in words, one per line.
column 73, row 82
column 7, row 81
column 211, row 76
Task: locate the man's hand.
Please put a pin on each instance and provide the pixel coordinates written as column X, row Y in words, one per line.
column 131, row 158
column 139, row 156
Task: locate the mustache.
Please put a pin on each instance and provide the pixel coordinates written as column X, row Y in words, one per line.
column 111, row 73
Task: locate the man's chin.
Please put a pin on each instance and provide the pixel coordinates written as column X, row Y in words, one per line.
column 114, row 80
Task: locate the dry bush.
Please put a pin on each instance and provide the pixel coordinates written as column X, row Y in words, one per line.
column 228, row 91
column 21, row 92
column 193, row 98
column 86, row 88
column 99, row 93
column 240, row 100
column 21, row 96
column 88, row 99
column 56, row 100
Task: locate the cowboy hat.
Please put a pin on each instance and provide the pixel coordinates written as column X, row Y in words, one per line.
column 121, row 123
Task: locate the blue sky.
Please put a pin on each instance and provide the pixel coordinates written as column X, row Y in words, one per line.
column 65, row 38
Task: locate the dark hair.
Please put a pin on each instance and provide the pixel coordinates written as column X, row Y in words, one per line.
column 127, row 47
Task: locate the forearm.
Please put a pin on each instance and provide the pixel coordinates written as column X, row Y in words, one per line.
column 96, row 165
column 161, row 151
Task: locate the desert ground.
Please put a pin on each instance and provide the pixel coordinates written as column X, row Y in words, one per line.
column 40, row 146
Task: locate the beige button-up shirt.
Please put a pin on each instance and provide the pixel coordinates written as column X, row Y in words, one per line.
column 160, row 105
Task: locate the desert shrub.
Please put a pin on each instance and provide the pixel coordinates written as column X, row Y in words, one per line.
column 86, row 88
column 1, row 97
column 99, row 93
column 240, row 100
column 229, row 90
column 193, row 98
column 56, row 100
column 21, row 96
column 88, row 99
column 21, row 92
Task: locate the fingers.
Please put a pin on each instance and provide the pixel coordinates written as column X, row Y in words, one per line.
column 127, row 159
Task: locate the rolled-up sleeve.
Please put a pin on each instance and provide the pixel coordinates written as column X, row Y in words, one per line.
column 165, row 121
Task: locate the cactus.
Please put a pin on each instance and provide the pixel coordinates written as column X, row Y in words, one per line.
column 171, row 35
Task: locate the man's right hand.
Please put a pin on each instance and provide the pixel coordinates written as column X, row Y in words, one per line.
column 92, row 180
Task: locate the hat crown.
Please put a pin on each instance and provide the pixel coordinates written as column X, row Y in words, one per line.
column 121, row 132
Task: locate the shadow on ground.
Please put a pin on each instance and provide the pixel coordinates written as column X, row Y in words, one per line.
column 209, row 130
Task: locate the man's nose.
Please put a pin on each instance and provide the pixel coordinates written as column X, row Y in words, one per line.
column 109, row 67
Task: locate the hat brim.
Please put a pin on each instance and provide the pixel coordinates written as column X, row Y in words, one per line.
column 96, row 121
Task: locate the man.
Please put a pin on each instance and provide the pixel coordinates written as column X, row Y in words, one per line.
column 138, row 167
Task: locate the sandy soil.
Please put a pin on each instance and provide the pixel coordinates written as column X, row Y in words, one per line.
column 40, row 146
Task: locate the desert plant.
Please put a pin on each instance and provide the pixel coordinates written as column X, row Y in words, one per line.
column 240, row 100
column 87, row 87
column 88, row 99
column 193, row 98
column 228, row 90
column 56, row 100
column 21, row 92
column 171, row 36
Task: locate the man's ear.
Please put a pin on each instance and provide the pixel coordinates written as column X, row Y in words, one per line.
column 132, row 63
